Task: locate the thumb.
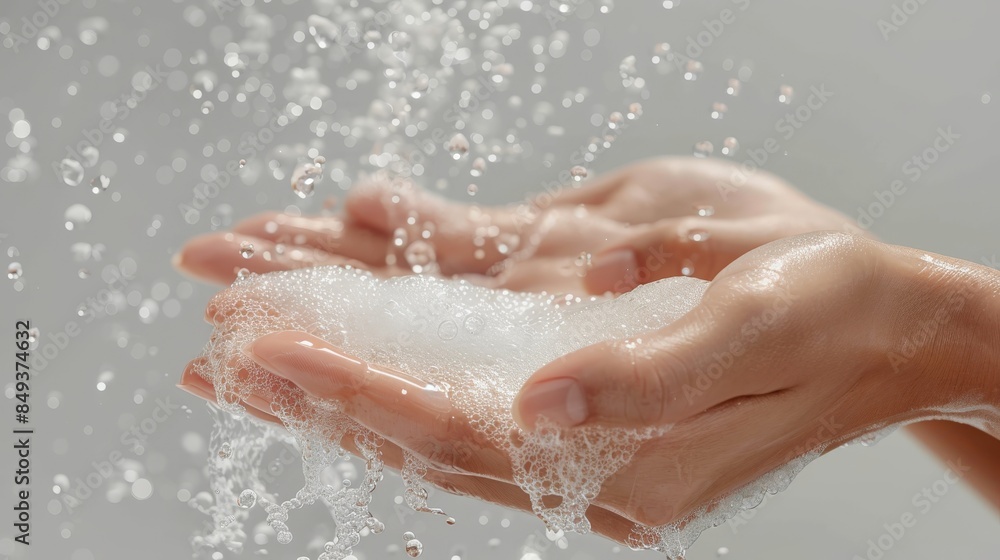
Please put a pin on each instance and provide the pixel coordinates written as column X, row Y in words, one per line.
column 690, row 246
column 672, row 374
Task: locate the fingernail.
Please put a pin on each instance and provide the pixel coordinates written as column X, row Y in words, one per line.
column 561, row 401
column 613, row 271
column 298, row 357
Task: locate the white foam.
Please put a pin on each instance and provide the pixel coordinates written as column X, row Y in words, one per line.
column 482, row 343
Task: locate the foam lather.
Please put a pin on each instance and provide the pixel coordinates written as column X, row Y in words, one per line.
column 483, row 344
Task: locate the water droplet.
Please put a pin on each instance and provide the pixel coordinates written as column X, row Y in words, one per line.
column 246, row 249
column 692, row 70
column 72, row 172
column 578, row 172
column 414, row 548
column 14, row 270
column 284, row 537
column 634, row 110
column 719, row 110
column 722, row 551
column 472, row 189
column 615, row 120
column 785, row 94
column 408, row 536
column 243, row 163
column 734, row 86
column 99, row 184
column 687, row 267
column 76, row 215
column 478, row 167
column 420, row 256
column 226, row 450
column 703, row 149
column 319, row 160
column 399, row 237
column 458, row 146
column 207, row 107
column 698, row 235
column 450, row 521
column 91, row 155
column 247, row 499
column 730, row 146
column 323, row 31
column 705, row 211
column 374, row 525
column 304, row 179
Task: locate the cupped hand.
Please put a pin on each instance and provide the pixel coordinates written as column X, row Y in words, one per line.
column 650, row 220
column 788, row 353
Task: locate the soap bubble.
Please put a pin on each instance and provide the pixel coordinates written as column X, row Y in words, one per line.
column 72, row 171
column 247, row 499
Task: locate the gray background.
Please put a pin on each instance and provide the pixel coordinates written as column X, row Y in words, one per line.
column 890, row 98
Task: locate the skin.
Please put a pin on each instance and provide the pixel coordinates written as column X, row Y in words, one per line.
column 798, row 345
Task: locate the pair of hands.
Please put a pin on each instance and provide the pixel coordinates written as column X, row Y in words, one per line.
column 788, row 352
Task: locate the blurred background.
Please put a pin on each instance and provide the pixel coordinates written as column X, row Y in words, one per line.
column 168, row 91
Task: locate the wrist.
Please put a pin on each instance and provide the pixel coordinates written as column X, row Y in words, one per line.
column 945, row 335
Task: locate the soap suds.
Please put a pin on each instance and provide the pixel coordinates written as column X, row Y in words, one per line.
column 482, row 344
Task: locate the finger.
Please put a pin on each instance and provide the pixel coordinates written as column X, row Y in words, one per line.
column 604, row 522
column 698, row 247
column 200, row 387
column 329, row 234
column 465, row 238
column 660, row 378
column 413, row 414
column 218, row 257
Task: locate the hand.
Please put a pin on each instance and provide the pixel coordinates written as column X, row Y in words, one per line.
column 639, row 223
column 791, row 351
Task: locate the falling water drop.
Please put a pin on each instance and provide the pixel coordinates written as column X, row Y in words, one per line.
column 99, row 184
column 420, row 256
column 243, row 163
column 72, row 172
column 304, row 179
column 734, row 86
column 246, row 249
column 703, row 149
column 414, row 548
column 247, row 499
column 323, row 31
column 578, row 172
column 785, row 94
column 730, row 146
column 91, row 155
column 719, row 110
column 14, row 270
column 705, row 211
column 458, row 146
